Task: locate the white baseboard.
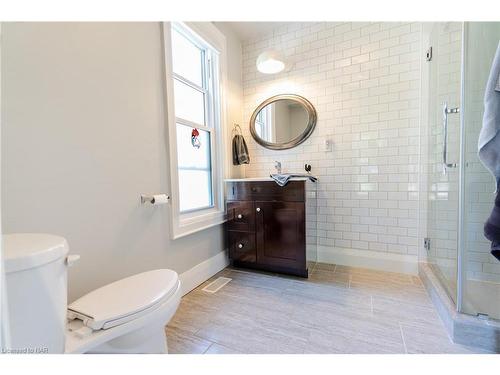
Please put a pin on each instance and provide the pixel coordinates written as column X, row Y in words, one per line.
column 203, row 271
column 369, row 259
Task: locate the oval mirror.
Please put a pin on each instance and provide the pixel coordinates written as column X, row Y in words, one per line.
column 283, row 121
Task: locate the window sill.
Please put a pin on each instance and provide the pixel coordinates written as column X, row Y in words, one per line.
column 192, row 224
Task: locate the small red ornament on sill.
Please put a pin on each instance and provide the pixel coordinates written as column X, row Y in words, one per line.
column 194, row 138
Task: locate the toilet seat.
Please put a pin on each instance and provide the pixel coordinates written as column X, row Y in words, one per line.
column 124, row 300
column 138, row 330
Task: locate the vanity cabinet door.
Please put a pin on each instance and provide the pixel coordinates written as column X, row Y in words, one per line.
column 280, row 234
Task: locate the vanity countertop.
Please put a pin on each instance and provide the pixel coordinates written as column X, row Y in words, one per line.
column 250, row 179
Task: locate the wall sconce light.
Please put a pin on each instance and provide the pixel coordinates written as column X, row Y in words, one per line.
column 270, row 62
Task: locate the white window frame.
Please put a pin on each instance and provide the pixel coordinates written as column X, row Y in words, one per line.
column 268, row 125
column 183, row 224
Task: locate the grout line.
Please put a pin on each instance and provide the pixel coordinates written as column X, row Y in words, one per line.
column 208, row 347
column 403, row 337
column 349, row 282
column 216, row 343
column 335, row 269
column 371, row 304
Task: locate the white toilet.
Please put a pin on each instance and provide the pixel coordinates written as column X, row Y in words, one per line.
column 127, row 316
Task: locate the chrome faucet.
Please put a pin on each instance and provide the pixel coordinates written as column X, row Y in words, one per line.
column 277, row 165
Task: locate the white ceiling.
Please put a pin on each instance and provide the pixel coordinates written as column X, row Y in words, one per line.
column 248, row 30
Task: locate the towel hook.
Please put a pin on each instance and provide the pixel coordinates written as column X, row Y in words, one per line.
column 237, row 129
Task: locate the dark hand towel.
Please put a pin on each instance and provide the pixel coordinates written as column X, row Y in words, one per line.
column 240, row 151
column 492, row 228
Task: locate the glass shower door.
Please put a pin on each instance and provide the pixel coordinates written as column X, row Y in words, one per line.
column 480, row 270
column 443, row 150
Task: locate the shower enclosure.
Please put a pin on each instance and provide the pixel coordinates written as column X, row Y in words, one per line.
column 458, row 190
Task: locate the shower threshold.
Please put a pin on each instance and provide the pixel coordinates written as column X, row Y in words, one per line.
column 478, row 331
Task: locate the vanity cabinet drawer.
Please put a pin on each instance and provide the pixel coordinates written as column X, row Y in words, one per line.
column 241, row 216
column 242, row 247
column 294, row 191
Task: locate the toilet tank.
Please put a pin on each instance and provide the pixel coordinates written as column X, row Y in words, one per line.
column 36, row 280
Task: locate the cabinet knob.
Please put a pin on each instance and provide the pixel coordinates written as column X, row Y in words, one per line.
column 240, row 216
column 240, row 246
column 257, row 209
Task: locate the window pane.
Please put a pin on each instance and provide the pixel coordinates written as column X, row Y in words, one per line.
column 189, row 156
column 189, row 103
column 186, row 58
column 195, row 189
column 195, row 169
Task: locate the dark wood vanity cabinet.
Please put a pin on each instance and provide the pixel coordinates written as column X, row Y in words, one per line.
column 266, row 226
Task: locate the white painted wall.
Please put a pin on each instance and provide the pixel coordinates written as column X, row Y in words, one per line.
column 299, row 118
column 3, row 295
column 234, row 92
column 84, row 134
column 281, row 121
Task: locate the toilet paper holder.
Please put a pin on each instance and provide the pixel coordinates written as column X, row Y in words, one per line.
column 155, row 199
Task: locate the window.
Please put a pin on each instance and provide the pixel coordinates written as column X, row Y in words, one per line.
column 264, row 124
column 193, row 97
column 193, row 54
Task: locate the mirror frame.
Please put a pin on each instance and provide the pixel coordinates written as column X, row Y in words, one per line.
column 311, row 111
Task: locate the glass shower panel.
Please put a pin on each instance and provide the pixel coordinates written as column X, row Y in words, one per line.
column 443, row 144
column 481, row 271
column 311, row 224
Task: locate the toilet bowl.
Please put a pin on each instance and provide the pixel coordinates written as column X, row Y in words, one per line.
column 126, row 316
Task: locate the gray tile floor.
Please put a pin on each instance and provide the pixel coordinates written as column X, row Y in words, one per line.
column 338, row 309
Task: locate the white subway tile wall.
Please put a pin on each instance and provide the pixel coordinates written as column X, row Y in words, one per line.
column 364, row 80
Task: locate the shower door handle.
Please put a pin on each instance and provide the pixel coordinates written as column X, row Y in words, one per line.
column 446, row 112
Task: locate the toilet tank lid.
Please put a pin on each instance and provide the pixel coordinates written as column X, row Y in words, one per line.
column 22, row 251
column 125, row 299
